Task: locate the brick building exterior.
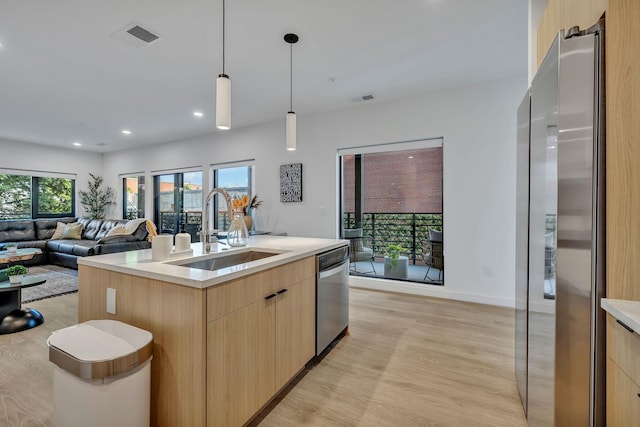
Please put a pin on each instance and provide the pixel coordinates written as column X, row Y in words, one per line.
column 397, row 182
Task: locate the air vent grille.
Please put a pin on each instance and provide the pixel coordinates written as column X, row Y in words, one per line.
column 142, row 34
column 137, row 35
column 367, row 97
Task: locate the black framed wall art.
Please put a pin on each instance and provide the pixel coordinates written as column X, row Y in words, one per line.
column 291, row 182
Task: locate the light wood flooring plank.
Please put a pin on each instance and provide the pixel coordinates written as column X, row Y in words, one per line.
column 26, row 375
column 409, row 361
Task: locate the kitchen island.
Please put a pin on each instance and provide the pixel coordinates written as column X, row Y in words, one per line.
column 225, row 341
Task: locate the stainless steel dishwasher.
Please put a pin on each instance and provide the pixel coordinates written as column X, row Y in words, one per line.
column 332, row 296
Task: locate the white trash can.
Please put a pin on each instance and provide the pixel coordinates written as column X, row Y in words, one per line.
column 102, row 376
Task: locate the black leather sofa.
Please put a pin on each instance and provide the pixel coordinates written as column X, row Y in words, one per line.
column 37, row 233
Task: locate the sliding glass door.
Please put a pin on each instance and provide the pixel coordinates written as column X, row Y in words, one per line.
column 178, row 203
column 391, row 203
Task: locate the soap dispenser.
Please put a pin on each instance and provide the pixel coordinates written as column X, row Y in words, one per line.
column 183, row 241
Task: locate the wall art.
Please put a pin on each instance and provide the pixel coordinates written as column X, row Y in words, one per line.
column 291, row 182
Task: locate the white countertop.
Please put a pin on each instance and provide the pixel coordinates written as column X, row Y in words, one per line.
column 628, row 312
column 139, row 263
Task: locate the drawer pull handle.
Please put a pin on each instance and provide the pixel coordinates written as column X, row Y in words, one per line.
column 268, row 297
column 625, row 326
column 282, row 291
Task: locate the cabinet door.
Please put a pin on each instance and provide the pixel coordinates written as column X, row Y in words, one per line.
column 295, row 329
column 240, row 363
column 623, row 398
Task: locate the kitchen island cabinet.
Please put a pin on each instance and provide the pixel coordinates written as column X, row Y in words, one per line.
column 255, row 350
column 225, row 342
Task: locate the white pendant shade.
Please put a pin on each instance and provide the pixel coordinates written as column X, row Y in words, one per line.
column 291, row 131
column 223, row 102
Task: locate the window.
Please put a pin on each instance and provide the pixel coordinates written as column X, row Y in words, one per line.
column 53, row 197
column 237, row 181
column 133, row 197
column 178, row 203
column 25, row 196
column 15, row 196
column 392, row 195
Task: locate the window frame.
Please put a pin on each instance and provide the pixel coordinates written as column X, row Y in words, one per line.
column 141, row 198
column 34, row 176
column 35, row 199
column 215, row 168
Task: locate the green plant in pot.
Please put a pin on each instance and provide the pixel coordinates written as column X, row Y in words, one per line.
column 97, row 198
column 16, row 272
column 393, row 252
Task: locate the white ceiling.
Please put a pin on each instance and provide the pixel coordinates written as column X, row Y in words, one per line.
column 64, row 78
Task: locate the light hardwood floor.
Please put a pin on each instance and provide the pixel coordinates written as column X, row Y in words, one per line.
column 408, row 360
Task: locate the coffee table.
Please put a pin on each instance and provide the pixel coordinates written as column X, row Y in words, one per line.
column 7, row 257
column 12, row 317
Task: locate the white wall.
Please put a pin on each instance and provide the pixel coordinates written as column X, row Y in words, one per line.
column 15, row 155
column 478, row 124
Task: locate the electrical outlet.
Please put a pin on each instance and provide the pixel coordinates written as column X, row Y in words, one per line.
column 111, row 301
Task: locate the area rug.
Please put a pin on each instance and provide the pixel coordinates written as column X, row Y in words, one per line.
column 60, row 281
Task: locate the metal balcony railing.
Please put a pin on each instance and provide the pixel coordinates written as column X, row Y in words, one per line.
column 406, row 229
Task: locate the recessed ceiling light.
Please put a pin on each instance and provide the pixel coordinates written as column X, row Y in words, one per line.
column 198, row 113
column 411, row 157
column 77, row 144
column 126, row 132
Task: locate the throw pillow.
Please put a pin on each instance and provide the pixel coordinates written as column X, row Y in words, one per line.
column 57, row 235
column 350, row 233
column 435, row 236
column 72, row 231
column 132, row 225
column 116, row 231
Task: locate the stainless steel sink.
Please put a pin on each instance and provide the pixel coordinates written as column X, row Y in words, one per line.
column 227, row 260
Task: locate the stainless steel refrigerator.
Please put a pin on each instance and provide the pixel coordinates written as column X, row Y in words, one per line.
column 560, row 245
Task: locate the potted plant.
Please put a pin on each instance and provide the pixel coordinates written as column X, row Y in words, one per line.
column 16, row 272
column 392, row 268
column 393, row 252
column 96, row 200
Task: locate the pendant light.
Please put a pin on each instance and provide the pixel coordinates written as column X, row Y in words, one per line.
column 223, row 90
column 291, row 116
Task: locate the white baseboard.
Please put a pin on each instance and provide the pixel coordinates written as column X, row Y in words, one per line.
column 425, row 290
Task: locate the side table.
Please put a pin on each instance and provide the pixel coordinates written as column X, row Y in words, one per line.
column 12, row 317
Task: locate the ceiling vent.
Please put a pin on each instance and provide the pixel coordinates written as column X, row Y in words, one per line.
column 136, row 35
column 368, row 97
column 144, row 35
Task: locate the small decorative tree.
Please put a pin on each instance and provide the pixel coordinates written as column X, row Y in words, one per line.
column 96, row 199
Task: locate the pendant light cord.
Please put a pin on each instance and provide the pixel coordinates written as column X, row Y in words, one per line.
column 291, row 77
column 223, row 31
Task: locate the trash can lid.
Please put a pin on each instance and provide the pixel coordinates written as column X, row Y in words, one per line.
column 100, row 340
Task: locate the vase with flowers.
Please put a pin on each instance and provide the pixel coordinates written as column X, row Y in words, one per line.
column 243, row 204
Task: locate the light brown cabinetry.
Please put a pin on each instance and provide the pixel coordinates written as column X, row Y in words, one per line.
column 623, row 375
column 260, row 342
column 220, row 354
column 295, row 330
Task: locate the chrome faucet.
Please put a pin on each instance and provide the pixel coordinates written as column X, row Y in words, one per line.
column 206, row 235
